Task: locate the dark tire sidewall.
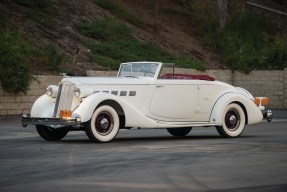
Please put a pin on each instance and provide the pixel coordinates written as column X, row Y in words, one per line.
column 179, row 132
column 51, row 134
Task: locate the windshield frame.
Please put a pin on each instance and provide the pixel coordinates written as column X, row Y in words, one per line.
column 139, row 69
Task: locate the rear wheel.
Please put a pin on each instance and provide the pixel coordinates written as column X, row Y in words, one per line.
column 51, row 134
column 104, row 124
column 179, row 132
column 233, row 121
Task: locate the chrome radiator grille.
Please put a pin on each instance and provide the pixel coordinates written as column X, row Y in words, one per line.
column 64, row 98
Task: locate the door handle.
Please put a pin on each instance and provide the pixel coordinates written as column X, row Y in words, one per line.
column 159, row 86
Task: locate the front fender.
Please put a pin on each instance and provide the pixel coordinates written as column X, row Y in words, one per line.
column 89, row 104
column 43, row 107
column 133, row 117
column 254, row 115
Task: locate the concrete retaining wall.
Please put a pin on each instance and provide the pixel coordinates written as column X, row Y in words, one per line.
column 285, row 89
column 272, row 84
column 11, row 104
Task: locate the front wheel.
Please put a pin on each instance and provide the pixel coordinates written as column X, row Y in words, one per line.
column 233, row 121
column 104, row 124
column 179, row 132
column 51, row 134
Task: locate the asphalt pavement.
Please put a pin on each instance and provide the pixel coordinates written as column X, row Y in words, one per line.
column 145, row 160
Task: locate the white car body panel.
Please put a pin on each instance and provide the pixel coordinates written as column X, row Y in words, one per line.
column 149, row 102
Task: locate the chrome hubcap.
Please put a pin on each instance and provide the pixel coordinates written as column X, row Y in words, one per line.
column 232, row 120
column 104, row 123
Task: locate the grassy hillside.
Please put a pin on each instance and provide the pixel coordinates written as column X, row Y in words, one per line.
column 51, row 37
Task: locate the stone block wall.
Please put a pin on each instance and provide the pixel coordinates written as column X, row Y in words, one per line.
column 91, row 73
column 263, row 83
column 11, row 104
column 285, row 88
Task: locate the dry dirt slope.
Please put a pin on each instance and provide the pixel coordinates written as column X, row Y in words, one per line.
column 167, row 25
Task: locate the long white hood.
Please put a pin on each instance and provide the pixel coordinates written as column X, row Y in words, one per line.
column 109, row 80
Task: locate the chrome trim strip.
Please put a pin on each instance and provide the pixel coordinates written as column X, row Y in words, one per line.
column 65, row 97
column 57, row 101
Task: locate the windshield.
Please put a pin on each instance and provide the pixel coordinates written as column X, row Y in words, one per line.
column 138, row 70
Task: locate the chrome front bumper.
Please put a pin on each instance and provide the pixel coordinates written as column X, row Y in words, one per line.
column 27, row 120
column 268, row 115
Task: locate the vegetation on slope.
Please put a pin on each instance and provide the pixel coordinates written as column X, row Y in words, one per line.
column 246, row 44
column 119, row 12
column 15, row 52
column 17, row 55
column 248, row 41
column 40, row 11
column 115, row 44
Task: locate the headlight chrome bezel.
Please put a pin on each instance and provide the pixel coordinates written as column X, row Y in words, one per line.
column 83, row 91
column 77, row 92
column 52, row 91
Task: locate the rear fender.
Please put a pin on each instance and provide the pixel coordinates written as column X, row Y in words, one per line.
column 252, row 112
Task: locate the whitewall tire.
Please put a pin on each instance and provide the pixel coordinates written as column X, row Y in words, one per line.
column 104, row 124
column 233, row 122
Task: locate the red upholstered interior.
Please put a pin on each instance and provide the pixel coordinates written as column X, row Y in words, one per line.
column 187, row 76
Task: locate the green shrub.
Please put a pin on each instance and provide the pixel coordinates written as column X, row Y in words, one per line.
column 275, row 55
column 115, row 44
column 105, row 61
column 15, row 55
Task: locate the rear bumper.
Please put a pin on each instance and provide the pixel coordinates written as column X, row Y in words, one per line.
column 27, row 120
column 268, row 115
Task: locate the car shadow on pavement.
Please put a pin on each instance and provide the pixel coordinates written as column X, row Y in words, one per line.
column 145, row 139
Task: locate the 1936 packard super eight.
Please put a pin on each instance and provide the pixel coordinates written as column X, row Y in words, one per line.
column 143, row 95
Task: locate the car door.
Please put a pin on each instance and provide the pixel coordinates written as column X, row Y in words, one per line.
column 174, row 100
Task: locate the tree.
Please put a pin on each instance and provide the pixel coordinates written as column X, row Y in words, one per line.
column 222, row 11
column 243, row 5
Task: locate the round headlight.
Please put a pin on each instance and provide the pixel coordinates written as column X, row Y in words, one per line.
column 77, row 92
column 52, row 91
column 49, row 91
column 83, row 91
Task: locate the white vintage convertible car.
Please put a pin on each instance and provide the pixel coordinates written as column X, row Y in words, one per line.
column 143, row 95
